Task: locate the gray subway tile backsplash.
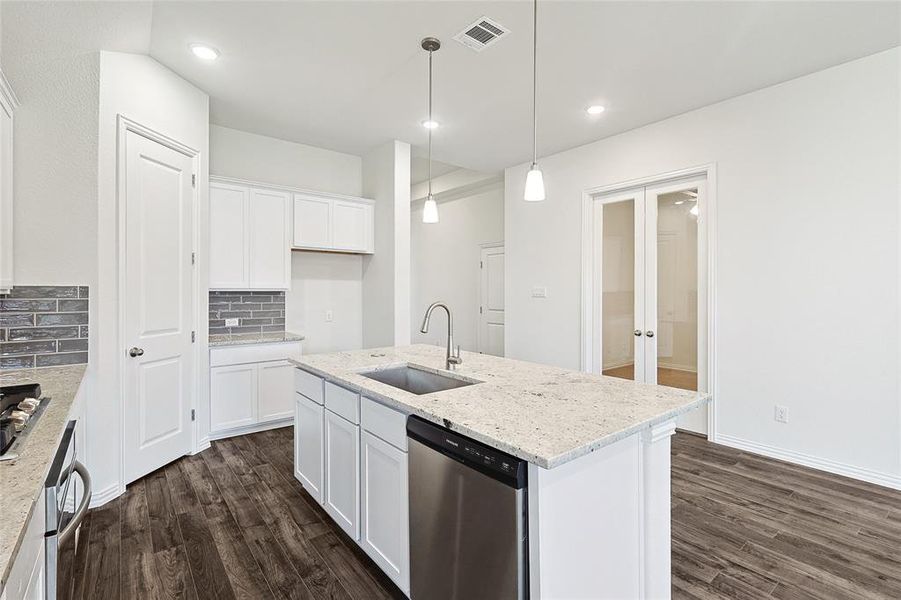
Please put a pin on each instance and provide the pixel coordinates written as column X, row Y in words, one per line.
column 256, row 311
column 42, row 326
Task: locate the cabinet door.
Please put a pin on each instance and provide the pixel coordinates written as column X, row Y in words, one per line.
column 342, row 473
column 351, row 226
column 232, row 396
column 308, row 445
column 385, row 534
column 229, row 240
column 270, row 246
column 276, row 390
column 312, row 222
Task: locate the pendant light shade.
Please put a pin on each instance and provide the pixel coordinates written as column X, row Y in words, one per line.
column 534, row 185
column 430, row 210
column 534, row 191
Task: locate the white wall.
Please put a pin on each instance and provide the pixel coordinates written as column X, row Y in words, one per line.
column 807, row 274
column 319, row 282
column 326, row 282
column 386, row 273
column 244, row 155
column 445, row 261
column 143, row 90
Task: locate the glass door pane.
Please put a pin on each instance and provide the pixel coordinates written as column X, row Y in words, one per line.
column 618, row 289
column 677, row 289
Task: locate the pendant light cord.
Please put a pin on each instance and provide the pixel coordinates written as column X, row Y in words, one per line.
column 534, row 82
column 430, row 124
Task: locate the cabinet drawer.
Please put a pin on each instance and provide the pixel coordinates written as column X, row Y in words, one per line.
column 308, row 385
column 342, row 402
column 386, row 423
column 236, row 355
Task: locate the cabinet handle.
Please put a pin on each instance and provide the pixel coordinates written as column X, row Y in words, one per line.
column 637, row 332
column 649, row 333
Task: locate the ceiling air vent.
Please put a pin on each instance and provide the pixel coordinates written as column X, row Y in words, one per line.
column 481, row 34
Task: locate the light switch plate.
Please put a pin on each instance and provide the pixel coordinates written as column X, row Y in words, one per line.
column 329, row 316
column 539, row 292
column 231, row 322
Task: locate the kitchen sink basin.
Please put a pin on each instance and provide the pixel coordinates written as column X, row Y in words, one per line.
column 417, row 381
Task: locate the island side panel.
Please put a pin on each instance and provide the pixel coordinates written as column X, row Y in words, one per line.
column 599, row 526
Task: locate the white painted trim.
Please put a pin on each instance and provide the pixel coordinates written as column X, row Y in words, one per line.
column 806, row 460
column 101, row 497
column 286, row 188
column 591, row 249
column 7, row 96
column 256, row 427
column 200, row 300
column 465, row 191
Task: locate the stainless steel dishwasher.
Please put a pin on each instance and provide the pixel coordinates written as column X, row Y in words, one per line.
column 468, row 518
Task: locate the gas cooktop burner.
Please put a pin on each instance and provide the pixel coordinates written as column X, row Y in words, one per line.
column 20, row 407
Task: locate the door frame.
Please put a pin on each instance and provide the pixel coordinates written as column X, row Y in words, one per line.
column 479, row 291
column 590, row 346
column 124, row 125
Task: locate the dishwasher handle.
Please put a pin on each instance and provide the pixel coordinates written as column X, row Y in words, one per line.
column 66, row 532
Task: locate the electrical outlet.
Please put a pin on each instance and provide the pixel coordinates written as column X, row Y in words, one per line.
column 231, row 322
column 329, row 316
column 781, row 414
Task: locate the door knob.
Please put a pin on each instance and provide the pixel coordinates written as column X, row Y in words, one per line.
column 649, row 333
column 136, row 352
column 637, row 332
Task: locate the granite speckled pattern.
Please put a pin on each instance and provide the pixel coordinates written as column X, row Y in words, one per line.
column 543, row 414
column 240, row 339
column 22, row 479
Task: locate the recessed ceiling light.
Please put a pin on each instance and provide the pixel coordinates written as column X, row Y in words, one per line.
column 205, row 52
column 594, row 109
column 430, row 124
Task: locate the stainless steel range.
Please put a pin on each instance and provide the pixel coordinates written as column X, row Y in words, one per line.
column 20, row 408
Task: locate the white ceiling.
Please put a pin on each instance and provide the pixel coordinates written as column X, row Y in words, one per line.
column 350, row 75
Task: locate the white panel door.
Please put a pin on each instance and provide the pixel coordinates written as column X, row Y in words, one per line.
column 309, row 449
column 491, row 301
column 350, row 226
column 275, row 399
column 270, row 244
column 229, row 240
column 232, row 396
column 384, row 508
column 342, row 473
column 159, row 301
column 312, row 222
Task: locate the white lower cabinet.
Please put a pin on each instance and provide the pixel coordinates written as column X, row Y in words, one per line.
column 26, row 576
column 384, row 509
column 250, row 387
column 309, row 458
column 342, row 473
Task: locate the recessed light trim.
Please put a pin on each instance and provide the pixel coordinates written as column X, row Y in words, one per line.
column 595, row 109
column 431, row 124
column 204, row 52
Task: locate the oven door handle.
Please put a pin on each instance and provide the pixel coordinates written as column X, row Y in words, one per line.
column 66, row 532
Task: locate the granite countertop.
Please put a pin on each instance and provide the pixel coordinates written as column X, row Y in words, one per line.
column 543, row 414
column 22, row 479
column 239, row 339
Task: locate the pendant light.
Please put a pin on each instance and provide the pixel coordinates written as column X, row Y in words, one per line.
column 430, row 208
column 534, row 179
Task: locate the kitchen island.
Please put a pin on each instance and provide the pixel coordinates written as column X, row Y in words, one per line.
column 597, row 448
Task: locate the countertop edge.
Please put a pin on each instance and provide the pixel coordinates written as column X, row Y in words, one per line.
column 260, row 339
column 545, row 463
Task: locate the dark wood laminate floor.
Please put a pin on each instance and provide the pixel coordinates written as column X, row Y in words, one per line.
column 232, row 522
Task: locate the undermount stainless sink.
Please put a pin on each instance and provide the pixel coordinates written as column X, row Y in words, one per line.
column 416, row 381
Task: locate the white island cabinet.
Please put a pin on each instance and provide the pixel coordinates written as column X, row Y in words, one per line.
column 350, row 454
column 598, row 453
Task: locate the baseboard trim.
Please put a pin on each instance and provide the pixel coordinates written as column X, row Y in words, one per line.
column 202, row 445
column 830, row 466
column 227, row 433
column 101, row 497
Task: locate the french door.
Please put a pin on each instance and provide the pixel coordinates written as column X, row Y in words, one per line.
column 653, row 287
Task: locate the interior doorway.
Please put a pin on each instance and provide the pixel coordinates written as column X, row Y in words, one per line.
column 650, row 289
column 491, row 299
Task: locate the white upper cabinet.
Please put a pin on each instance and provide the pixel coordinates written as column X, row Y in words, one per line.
column 8, row 104
column 250, row 247
column 335, row 224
